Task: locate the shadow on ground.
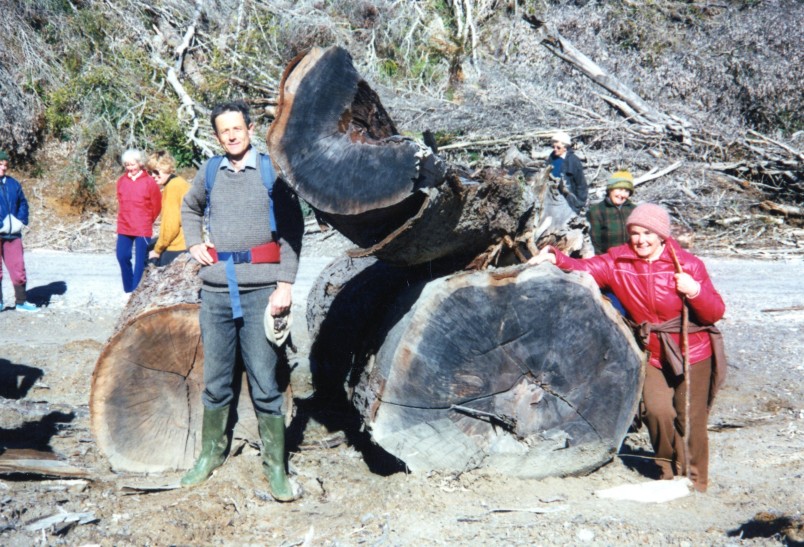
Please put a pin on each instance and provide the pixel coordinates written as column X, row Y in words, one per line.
column 17, row 380
column 637, row 458
column 786, row 529
column 41, row 296
column 336, row 414
column 35, row 434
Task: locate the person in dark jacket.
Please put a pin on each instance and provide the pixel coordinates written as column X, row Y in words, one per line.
column 140, row 202
column 13, row 215
column 568, row 169
column 642, row 274
column 607, row 217
column 249, row 259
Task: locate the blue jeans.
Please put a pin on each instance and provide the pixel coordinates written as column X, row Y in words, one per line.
column 224, row 336
column 615, row 302
column 132, row 275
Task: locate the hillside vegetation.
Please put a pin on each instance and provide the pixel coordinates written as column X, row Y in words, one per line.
column 720, row 83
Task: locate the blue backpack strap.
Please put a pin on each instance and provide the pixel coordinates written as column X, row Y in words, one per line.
column 213, row 165
column 268, row 176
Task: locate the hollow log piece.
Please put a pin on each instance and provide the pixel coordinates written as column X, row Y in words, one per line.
column 339, row 149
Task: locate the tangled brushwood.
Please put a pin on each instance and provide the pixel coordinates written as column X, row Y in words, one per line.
column 700, row 101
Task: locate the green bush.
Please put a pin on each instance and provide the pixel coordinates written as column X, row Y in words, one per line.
column 166, row 133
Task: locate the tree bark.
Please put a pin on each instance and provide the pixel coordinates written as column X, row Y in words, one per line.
column 145, row 401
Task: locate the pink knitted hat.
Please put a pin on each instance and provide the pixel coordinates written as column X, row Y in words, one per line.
column 651, row 216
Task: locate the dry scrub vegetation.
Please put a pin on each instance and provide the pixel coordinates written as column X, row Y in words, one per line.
column 716, row 90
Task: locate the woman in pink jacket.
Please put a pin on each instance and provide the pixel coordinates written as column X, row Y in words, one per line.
column 140, row 202
column 642, row 275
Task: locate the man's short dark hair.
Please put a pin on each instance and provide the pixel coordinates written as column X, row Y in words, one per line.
column 233, row 106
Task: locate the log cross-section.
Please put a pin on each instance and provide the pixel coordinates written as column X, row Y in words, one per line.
column 528, row 371
column 145, row 402
column 336, row 143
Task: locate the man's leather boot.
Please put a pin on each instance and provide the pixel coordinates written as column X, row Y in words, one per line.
column 213, row 446
column 272, row 434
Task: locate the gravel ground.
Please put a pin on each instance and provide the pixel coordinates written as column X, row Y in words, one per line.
column 46, row 359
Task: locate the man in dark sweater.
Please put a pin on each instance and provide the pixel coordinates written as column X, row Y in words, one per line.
column 249, row 259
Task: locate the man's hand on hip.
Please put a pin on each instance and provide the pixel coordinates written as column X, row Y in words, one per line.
column 199, row 253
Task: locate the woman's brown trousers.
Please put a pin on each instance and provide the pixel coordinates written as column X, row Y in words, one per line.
column 664, row 396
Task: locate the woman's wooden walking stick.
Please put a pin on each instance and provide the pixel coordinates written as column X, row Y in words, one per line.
column 685, row 321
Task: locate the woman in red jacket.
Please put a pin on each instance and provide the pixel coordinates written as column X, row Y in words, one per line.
column 140, row 202
column 642, row 275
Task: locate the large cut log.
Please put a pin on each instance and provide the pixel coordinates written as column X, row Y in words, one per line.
column 145, row 401
column 346, row 304
column 525, row 371
column 339, row 149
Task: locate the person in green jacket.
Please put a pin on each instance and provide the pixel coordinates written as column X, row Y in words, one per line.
column 607, row 218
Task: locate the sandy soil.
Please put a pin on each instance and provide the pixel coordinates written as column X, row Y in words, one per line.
column 757, row 445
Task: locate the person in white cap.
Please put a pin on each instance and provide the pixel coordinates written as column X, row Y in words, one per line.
column 567, row 167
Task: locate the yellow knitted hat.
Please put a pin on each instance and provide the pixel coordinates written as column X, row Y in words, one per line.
column 621, row 179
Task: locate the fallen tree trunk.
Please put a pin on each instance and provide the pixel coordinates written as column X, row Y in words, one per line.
column 629, row 103
column 145, row 401
column 396, row 199
column 524, row 371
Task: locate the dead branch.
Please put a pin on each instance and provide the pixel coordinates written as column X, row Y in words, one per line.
column 16, row 461
column 764, row 138
column 187, row 111
column 730, row 221
column 788, row 308
column 786, row 210
column 628, row 102
column 654, row 174
column 182, row 48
